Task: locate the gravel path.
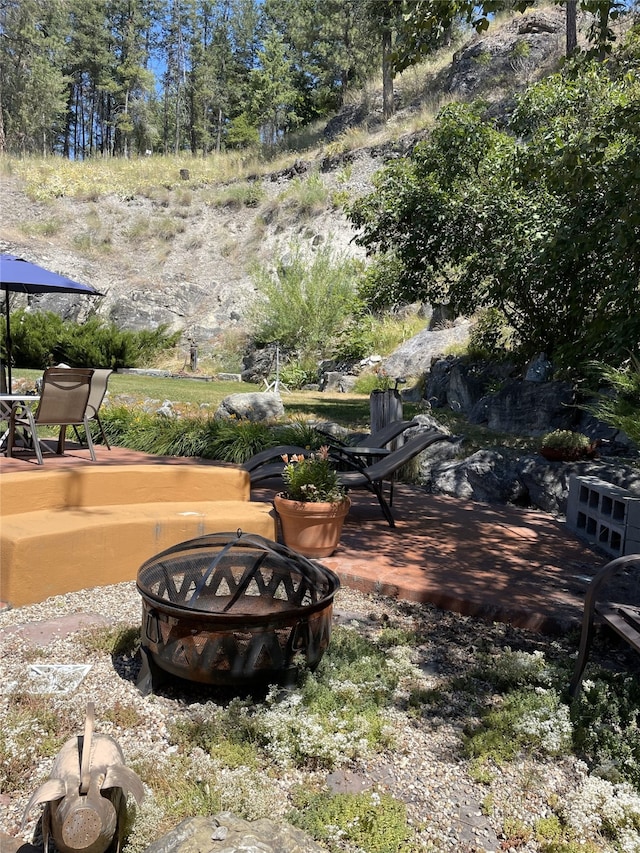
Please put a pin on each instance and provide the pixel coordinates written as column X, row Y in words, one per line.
column 425, row 768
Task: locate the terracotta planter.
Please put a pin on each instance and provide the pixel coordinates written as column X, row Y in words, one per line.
column 553, row 454
column 311, row 529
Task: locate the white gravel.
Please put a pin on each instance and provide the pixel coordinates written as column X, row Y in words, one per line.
column 425, row 768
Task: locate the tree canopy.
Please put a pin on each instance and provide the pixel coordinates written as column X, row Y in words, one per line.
column 114, row 77
column 539, row 219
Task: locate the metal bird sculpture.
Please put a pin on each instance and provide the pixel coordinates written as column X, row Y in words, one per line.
column 85, row 795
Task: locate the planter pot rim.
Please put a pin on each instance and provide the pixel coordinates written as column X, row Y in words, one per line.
column 302, row 505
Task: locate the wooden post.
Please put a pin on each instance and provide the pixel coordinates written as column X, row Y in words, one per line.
column 385, row 407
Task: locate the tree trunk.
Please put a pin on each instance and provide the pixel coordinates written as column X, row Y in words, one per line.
column 387, row 76
column 2, row 137
column 572, row 35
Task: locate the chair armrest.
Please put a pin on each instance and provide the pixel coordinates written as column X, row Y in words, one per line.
column 600, row 579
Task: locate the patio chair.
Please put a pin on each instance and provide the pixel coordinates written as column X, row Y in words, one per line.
column 273, row 455
column 63, row 402
column 379, row 438
column 612, row 599
column 373, row 476
column 99, row 382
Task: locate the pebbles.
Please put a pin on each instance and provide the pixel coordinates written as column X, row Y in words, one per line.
column 448, row 807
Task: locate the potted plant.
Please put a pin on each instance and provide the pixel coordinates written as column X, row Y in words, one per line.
column 313, row 505
column 564, row 445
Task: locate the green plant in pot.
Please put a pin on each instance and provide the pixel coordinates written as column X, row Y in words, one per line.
column 313, row 505
column 566, row 445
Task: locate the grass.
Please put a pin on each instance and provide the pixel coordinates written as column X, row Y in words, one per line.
column 346, row 409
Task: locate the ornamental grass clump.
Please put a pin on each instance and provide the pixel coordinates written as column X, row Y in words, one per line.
column 311, row 478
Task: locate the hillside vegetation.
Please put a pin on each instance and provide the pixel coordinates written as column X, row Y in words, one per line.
column 189, row 241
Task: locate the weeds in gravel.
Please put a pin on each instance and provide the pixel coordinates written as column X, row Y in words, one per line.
column 123, row 716
column 115, row 641
column 31, row 729
column 373, row 822
column 531, row 715
column 334, row 715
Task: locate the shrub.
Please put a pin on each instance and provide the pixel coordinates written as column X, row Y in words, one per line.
column 42, row 338
column 621, row 408
column 491, row 336
column 369, row 820
column 304, row 302
column 565, row 439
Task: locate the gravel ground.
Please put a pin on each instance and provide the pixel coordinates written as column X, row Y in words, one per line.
column 425, row 767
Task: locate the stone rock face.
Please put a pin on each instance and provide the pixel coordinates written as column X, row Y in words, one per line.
column 497, row 476
column 254, row 406
column 333, row 380
column 487, row 476
column 258, row 364
column 528, row 408
column 415, row 356
column 225, row 833
column 524, row 46
column 460, row 385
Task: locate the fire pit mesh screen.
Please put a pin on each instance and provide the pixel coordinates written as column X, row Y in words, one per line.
column 233, row 609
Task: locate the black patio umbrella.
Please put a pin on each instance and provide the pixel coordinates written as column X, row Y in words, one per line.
column 21, row 276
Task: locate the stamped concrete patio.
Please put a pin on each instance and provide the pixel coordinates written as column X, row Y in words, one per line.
column 498, row 562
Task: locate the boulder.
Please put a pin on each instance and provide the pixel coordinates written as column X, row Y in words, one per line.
column 414, row 357
column 528, row 408
column 252, row 406
column 226, row 833
column 258, row 364
column 460, row 384
column 499, row 476
column 488, row 476
column 333, row 380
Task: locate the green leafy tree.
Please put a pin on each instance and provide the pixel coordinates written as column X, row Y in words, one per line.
column 304, row 302
column 541, row 220
column 330, row 46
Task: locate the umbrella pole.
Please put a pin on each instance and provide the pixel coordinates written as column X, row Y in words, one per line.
column 8, row 345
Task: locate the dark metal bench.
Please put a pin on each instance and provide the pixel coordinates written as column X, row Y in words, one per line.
column 613, row 598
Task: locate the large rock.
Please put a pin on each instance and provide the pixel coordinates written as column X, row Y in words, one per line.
column 334, row 380
column 459, row 384
column 528, row 408
column 414, row 357
column 488, row 476
column 252, row 406
column 497, row 476
column 258, row 364
column 226, row 833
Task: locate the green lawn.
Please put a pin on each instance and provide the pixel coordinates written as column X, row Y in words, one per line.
column 351, row 410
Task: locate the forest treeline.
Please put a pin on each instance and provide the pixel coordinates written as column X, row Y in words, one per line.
column 125, row 77
column 116, row 77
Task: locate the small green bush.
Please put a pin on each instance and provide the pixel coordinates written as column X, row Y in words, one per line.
column 621, row 408
column 565, row 439
column 42, row 338
column 491, row 336
column 304, row 302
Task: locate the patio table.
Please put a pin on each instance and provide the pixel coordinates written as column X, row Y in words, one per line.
column 6, row 402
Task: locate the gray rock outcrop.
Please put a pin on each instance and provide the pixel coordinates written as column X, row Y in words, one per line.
column 226, row 833
column 528, row 408
column 502, row 476
column 414, row 357
column 254, row 406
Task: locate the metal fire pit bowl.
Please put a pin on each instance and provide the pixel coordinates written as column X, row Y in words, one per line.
column 233, row 609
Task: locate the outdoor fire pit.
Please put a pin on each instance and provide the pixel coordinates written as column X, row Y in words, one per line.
column 233, row 609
